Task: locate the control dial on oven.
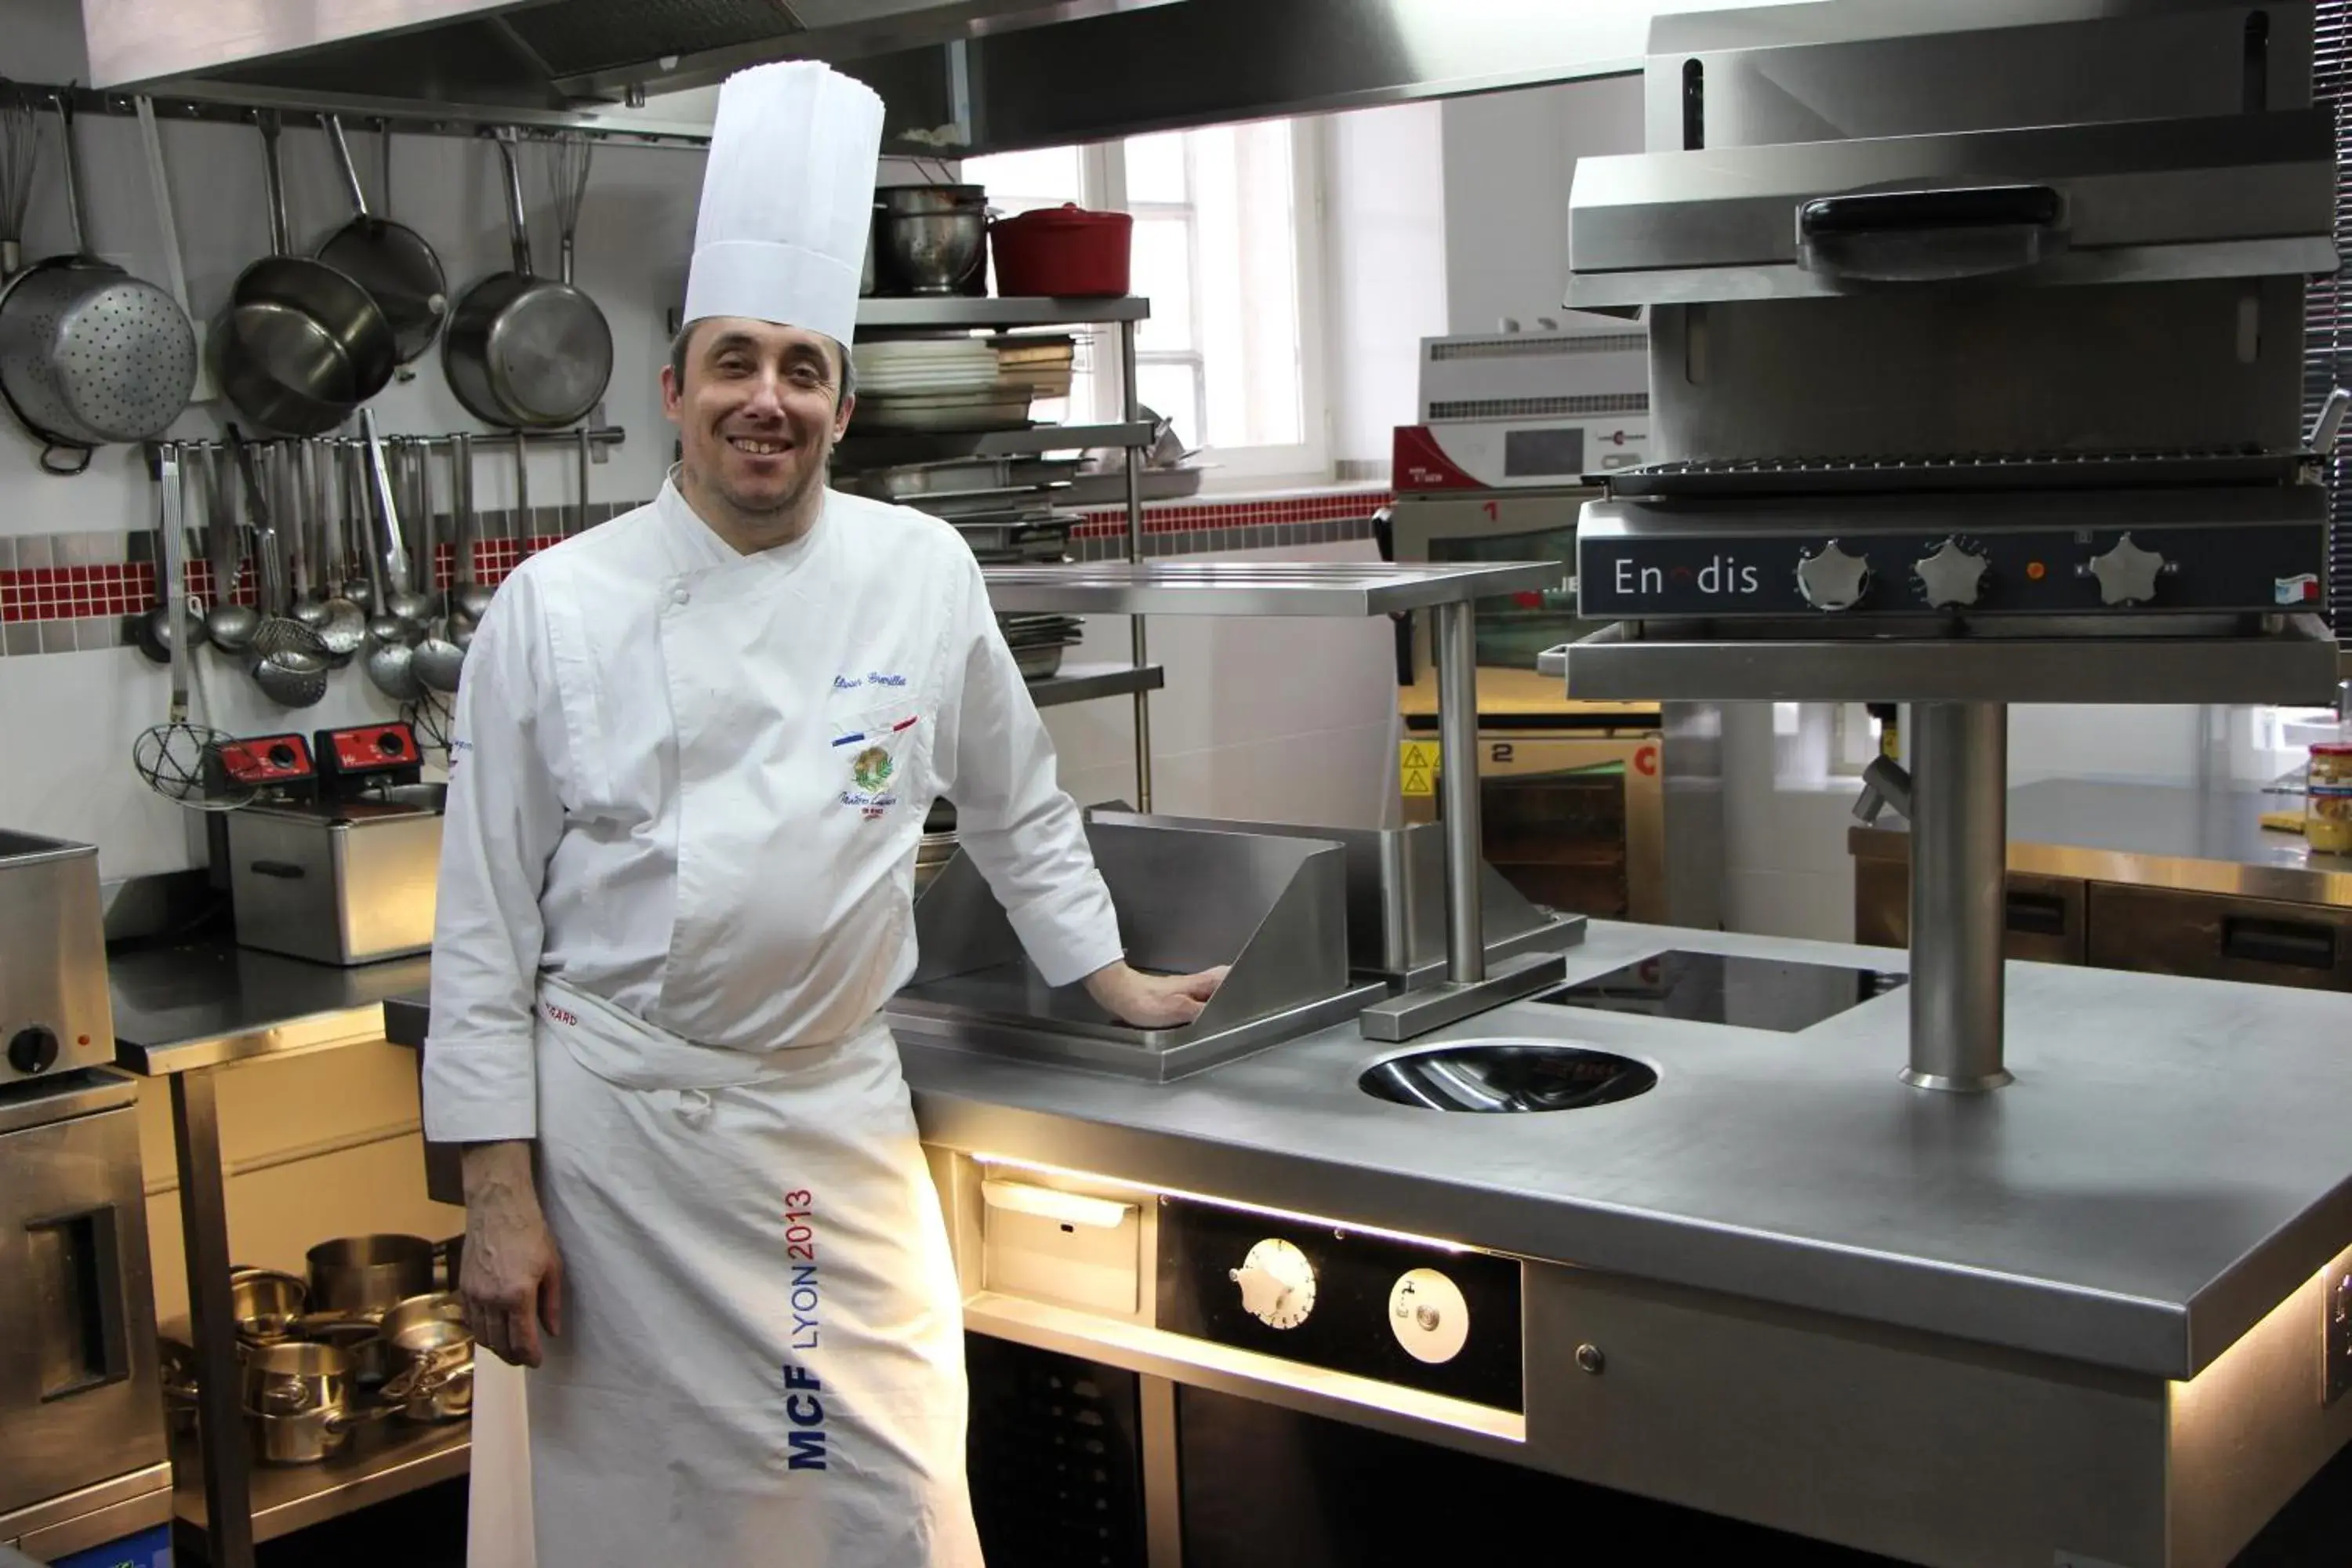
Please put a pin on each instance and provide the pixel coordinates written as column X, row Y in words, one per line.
column 1832, row 579
column 33, row 1051
column 1429, row 1316
column 1277, row 1284
column 1951, row 574
column 2127, row 573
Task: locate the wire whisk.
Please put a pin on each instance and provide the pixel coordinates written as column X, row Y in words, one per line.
column 567, row 179
column 20, row 151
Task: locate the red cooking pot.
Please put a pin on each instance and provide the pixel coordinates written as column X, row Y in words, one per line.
column 1062, row 253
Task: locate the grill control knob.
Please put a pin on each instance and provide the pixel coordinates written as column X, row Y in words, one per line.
column 2127, row 574
column 1277, row 1284
column 1830, row 579
column 1951, row 574
column 33, row 1051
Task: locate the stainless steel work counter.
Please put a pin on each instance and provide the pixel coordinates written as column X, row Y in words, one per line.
column 2202, row 840
column 204, row 1003
column 178, row 1014
column 2169, row 1164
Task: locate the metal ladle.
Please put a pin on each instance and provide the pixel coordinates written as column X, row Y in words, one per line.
column 157, row 634
column 299, row 486
column 469, row 600
column 401, row 600
column 344, row 631
column 390, row 658
column 436, row 661
column 228, row 623
column 288, row 661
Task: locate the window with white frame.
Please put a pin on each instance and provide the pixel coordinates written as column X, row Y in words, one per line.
column 1228, row 249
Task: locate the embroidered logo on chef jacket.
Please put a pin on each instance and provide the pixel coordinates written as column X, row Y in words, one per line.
column 877, row 754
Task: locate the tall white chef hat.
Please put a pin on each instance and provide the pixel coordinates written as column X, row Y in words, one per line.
column 787, row 199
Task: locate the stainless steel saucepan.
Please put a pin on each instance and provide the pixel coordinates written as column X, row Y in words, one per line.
column 524, row 352
column 390, row 260
column 300, row 345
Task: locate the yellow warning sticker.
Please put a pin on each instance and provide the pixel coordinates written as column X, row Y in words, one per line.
column 1420, row 782
column 1417, row 754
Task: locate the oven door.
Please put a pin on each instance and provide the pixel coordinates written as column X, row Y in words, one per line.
column 79, row 1400
column 1576, row 822
column 1524, row 525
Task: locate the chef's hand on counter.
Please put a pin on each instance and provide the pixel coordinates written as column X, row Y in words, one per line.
column 1152, row 1001
column 512, row 1279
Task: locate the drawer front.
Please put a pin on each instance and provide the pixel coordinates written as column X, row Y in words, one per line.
column 2161, row 931
column 2045, row 920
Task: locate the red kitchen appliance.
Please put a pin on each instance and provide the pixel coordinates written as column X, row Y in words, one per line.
column 1063, row 253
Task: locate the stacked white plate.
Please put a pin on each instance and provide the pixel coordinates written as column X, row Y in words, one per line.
column 927, row 368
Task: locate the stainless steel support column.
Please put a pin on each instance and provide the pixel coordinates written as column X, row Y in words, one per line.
column 203, row 1225
column 1470, row 988
column 1131, row 405
column 1960, row 844
column 1455, row 642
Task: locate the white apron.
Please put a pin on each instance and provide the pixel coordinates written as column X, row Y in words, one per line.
column 762, row 1361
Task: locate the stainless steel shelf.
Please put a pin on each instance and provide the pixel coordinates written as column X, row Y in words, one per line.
column 948, row 311
column 1338, row 588
column 2298, row 666
column 383, row 1461
column 1086, row 682
column 883, row 449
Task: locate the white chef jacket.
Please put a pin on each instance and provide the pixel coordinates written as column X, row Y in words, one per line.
column 560, row 847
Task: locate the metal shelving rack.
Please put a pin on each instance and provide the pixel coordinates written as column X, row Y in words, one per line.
column 946, row 313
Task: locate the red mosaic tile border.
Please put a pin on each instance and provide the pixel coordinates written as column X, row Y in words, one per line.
column 1185, row 517
column 34, row 594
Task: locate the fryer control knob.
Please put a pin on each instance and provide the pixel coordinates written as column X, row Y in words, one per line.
column 1830, row 579
column 33, row 1051
column 2127, row 574
column 1951, row 574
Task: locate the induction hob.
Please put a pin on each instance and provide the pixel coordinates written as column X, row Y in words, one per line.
column 1723, row 988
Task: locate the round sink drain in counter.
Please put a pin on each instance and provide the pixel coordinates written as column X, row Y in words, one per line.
column 1506, row 1075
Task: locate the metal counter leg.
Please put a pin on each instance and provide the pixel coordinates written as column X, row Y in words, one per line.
column 1959, row 833
column 1164, row 1489
column 204, row 1225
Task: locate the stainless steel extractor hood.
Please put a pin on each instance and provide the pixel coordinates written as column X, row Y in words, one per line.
column 540, row 55
column 960, row 77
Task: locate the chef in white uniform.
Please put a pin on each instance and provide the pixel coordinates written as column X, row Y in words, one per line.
column 692, row 757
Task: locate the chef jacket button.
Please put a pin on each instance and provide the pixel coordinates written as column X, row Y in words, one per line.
column 679, row 595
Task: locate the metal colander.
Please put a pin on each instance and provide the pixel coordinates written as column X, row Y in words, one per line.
column 90, row 355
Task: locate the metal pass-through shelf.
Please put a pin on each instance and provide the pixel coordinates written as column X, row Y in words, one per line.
column 1340, row 588
column 948, row 313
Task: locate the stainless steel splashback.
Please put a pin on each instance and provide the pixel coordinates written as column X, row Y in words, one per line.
column 1273, row 908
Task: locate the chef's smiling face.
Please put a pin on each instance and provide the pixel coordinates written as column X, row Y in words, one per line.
column 758, row 408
